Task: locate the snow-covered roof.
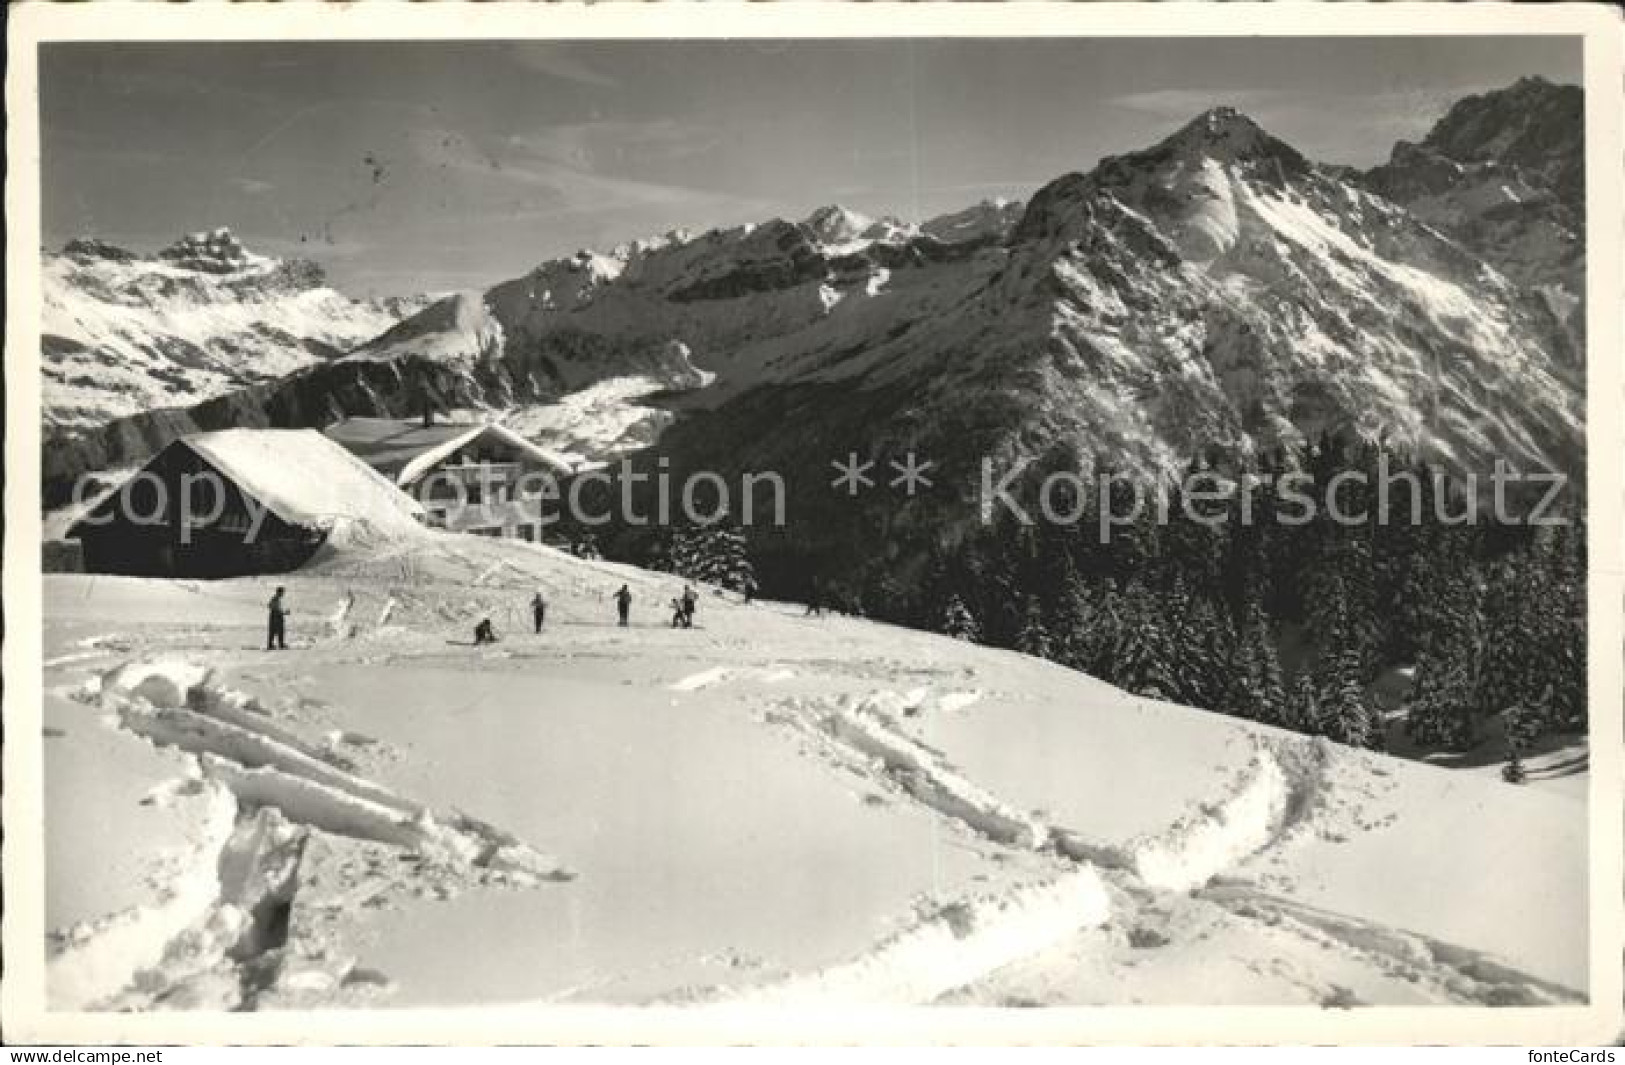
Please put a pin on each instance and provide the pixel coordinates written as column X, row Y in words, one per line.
column 304, row 478
column 388, row 444
column 428, row 460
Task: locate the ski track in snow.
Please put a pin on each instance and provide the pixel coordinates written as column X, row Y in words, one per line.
column 213, row 942
column 968, row 941
column 1456, row 973
column 958, row 945
column 215, row 938
column 717, row 674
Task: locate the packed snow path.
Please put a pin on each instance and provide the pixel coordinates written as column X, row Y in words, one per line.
column 764, row 808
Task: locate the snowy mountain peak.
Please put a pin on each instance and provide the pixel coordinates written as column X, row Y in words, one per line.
column 216, row 251
column 1223, row 119
column 126, row 332
column 1503, row 173
column 1226, row 135
column 1534, row 125
column 834, row 224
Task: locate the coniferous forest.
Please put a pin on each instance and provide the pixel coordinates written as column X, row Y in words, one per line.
column 1289, row 618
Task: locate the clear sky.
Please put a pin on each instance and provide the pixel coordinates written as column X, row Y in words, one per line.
column 413, row 166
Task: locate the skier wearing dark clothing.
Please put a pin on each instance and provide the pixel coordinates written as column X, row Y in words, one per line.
column 676, row 613
column 276, row 637
column 815, row 602
column 623, row 605
column 484, row 633
column 538, row 610
column 689, row 601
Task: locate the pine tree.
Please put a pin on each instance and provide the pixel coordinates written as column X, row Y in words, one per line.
column 1143, row 660
column 1523, row 723
column 1035, row 638
column 1199, row 647
column 715, row 554
column 1076, row 627
column 1442, row 709
column 886, row 598
column 1345, row 713
column 1562, row 621
column 1253, row 688
column 1438, row 709
column 958, row 622
column 1303, row 707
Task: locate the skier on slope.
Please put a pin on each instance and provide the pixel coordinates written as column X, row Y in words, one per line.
column 484, row 633
column 623, row 605
column 538, row 609
column 689, row 601
column 276, row 637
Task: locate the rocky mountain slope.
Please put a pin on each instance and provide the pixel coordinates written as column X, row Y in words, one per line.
column 124, row 333
column 1504, row 174
column 1216, row 294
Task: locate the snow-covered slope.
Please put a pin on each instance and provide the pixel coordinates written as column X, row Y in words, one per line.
column 765, row 809
column 123, row 333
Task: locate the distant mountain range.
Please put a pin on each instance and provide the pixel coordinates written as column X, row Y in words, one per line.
column 1215, row 294
column 124, row 332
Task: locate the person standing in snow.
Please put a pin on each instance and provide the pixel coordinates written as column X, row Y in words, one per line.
column 690, row 601
column 815, row 601
column 538, row 609
column 623, row 604
column 276, row 637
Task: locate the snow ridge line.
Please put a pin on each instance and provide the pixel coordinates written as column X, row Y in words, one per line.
column 217, row 939
column 91, row 962
column 968, row 940
column 961, row 943
column 1198, row 847
column 717, row 674
column 925, row 776
column 234, row 952
column 1463, row 974
column 180, row 705
column 1270, row 798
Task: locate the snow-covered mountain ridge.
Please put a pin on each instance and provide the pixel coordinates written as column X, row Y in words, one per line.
column 123, row 332
column 1504, row 173
column 1217, row 294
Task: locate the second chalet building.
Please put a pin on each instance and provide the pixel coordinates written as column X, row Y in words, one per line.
column 467, row 477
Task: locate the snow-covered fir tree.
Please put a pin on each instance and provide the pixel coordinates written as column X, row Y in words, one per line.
column 715, row 554
column 958, row 622
column 1035, row 638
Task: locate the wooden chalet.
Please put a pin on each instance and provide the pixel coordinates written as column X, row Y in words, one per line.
column 469, row 478
column 284, row 491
